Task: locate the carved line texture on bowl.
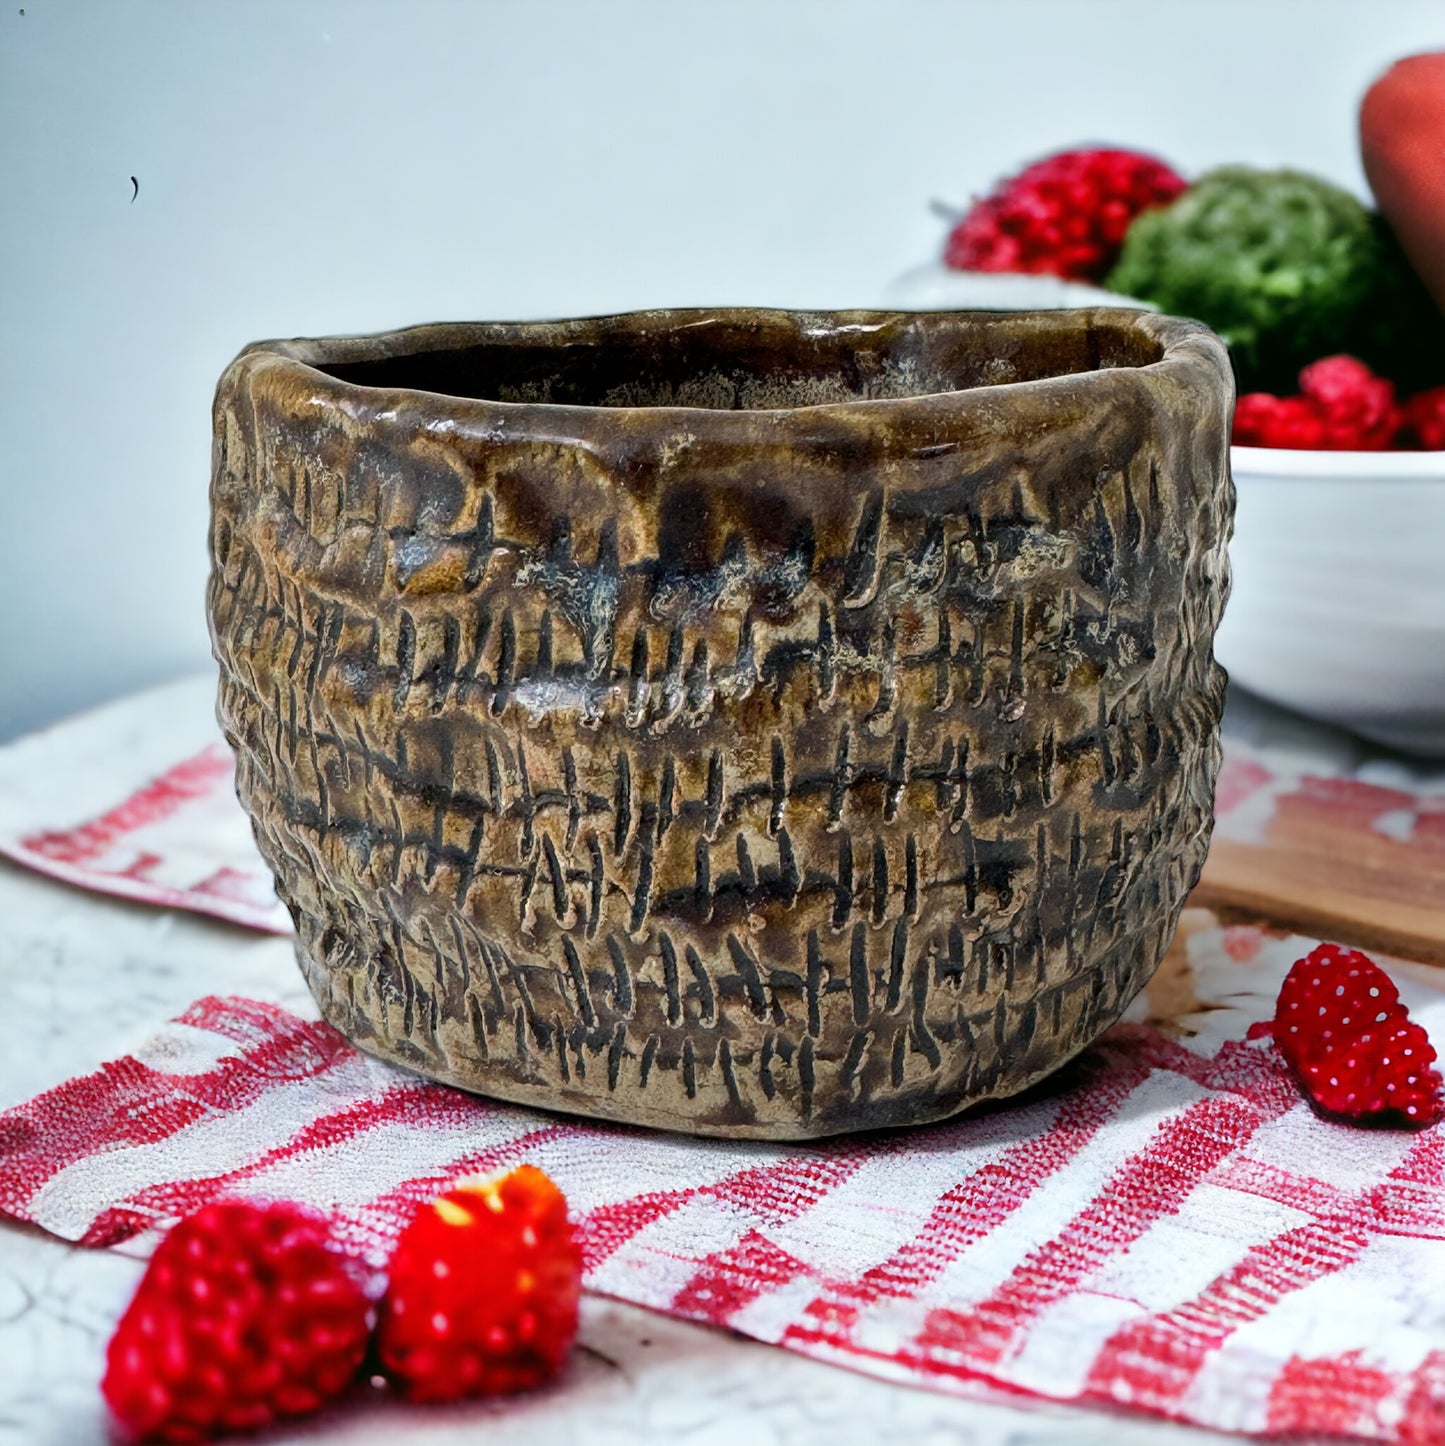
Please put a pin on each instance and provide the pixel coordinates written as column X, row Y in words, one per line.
column 764, row 773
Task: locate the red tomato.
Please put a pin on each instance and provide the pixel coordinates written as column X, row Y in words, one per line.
column 1402, row 141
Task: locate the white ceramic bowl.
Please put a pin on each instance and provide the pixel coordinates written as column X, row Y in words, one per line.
column 1338, row 607
column 936, row 287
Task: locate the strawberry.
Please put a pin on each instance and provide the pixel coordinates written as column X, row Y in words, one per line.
column 483, row 1292
column 1357, row 408
column 1425, row 419
column 1065, row 215
column 246, row 1314
column 1262, row 420
column 1342, row 406
column 1352, row 1045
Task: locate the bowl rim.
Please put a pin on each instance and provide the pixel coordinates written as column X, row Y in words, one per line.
column 1293, row 463
column 1186, row 347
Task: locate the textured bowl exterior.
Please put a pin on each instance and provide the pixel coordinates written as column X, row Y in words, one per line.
column 757, row 773
column 1338, row 607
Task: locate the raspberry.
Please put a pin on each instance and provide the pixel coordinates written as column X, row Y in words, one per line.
column 1343, row 407
column 1356, row 407
column 1352, row 1045
column 246, row 1314
column 1425, row 419
column 1065, row 215
column 483, row 1292
column 1262, row 420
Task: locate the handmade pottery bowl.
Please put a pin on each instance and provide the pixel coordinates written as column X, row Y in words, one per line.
column 747, row 723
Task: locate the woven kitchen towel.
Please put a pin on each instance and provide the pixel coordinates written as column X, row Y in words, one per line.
column 139, row 799
column 1165, row 1227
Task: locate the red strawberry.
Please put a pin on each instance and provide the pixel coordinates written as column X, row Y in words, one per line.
column 1425, row 419
column 1343, row 407
column 483, row 1292
column 1356, row 407
column 1262, row 420
column 246, row 1314
column 1065, row 215
column 1352, row 1045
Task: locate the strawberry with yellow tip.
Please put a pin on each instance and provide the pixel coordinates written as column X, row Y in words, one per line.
column 483, row 1292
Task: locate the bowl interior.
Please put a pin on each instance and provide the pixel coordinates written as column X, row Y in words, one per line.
column 750, row 360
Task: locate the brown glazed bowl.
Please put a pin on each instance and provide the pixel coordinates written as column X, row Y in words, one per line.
column 748, row 723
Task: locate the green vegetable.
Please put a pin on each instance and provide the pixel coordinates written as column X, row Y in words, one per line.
column 1400, row 332
column 1287, row 269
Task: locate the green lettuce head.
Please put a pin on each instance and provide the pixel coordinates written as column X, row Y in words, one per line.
column 1287, row 269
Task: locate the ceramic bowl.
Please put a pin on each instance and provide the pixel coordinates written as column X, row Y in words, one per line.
column 1338, row 606
column 749, row 723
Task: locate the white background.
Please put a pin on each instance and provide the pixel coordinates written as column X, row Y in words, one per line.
column 313, row 166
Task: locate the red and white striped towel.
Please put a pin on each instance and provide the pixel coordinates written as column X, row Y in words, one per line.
column 1166, row 1227
column 138, row 799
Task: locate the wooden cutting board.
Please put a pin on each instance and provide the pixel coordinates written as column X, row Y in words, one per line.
column 1335, row 858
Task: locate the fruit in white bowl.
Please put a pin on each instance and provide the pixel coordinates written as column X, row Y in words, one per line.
column 1338, row 608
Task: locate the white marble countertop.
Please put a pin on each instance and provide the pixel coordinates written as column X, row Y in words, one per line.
column 84, row 978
